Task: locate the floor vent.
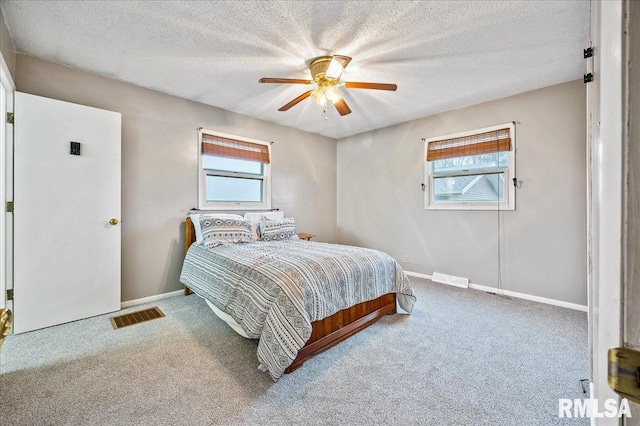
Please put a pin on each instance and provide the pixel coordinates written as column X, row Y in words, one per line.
column 136, row 317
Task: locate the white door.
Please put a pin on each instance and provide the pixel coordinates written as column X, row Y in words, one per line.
column 66, row 252
column 615, row 138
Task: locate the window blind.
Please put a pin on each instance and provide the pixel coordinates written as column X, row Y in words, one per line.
column 233, row 148
column 480, row 143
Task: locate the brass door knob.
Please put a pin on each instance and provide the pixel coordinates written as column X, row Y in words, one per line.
column 5, row 324
column 113, row 221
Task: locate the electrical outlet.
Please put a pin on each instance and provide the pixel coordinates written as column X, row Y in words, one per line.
column 406, row 258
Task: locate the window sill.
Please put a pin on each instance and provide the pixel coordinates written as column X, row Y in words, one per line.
column 235, row 207
column 471, row 207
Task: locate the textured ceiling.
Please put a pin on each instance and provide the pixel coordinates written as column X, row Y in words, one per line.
column 442, row 54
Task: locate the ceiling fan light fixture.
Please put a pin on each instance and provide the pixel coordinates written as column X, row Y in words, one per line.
column 324, row 93
column 318, row 97
column 333, row 95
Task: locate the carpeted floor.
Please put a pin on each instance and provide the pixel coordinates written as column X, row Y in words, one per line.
column 462, row 358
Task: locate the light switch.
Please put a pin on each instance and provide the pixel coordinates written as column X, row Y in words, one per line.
column 75, row 148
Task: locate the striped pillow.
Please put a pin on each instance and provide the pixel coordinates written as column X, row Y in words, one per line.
column 195, row 220
column 216, row 231
column 277, row 230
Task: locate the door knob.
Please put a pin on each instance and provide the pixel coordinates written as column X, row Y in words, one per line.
column 113, row 221
column 5, row 324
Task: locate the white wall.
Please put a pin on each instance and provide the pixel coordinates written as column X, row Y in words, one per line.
column 380, row 202
column 159, row 167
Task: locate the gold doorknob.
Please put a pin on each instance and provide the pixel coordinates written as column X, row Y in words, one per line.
column 5, row 324
column 113, row 221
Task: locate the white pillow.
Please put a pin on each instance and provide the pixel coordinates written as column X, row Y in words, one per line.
column 195, row 219
column 254, row 220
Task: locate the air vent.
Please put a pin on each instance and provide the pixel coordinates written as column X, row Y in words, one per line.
column 450, row 279
column 136, row 317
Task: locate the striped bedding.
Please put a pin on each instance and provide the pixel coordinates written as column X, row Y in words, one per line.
column 276, row 289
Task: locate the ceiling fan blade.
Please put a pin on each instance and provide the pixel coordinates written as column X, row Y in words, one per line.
column 342, row 107
column 285, row 80
column 343, row 60
column 374, row 86
column 300, row 98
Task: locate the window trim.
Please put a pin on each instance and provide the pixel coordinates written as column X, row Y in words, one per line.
column 203, row 204
column 510, row 192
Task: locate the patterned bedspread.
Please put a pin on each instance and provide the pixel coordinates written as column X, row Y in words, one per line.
column 275, row 290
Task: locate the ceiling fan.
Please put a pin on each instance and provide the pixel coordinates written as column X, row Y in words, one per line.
column 325, row 74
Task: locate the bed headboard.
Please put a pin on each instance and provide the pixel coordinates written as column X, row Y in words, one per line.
column 189, row 234
column 189, row 238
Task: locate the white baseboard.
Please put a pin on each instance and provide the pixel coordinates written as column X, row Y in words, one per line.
column 515, row 294
column 509, row 293
column 144, row 300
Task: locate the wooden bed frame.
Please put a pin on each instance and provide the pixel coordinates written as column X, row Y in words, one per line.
column 333, row 329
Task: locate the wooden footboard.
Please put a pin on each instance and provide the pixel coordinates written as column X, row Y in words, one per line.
column 333, row 329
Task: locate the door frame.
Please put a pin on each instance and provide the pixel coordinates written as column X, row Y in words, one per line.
column 630, row 186
column 6, row 184
column 605, row 201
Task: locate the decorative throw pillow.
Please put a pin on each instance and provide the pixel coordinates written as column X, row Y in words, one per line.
column 195, row 220
column 277, row 230
column 216, row 231
column 254, row 219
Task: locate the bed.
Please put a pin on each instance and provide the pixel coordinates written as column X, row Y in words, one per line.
column 244, row 283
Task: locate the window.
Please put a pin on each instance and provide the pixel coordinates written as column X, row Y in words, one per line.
column 234, row 172
column 471, row 170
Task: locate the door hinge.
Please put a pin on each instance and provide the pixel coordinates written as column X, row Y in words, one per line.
column 9, row 208
column 10, row 117
column 624, row 373
column 10, row 294
column 588, row 52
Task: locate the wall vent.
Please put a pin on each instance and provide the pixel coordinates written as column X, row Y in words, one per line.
column 450, row 280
